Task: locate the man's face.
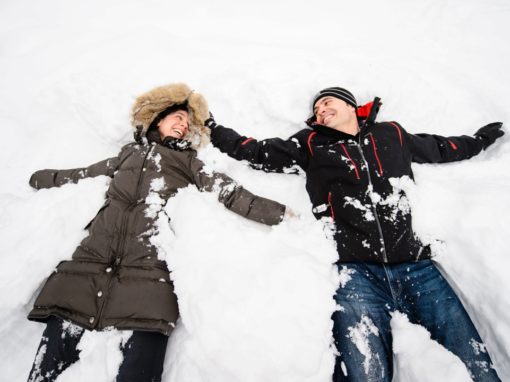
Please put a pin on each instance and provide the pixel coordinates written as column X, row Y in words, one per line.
column 175, row 125
column 333, row 112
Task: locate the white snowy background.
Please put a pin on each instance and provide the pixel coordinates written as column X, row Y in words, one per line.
column 255, row 301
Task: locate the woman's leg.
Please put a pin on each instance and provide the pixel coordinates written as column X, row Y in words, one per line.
column 144, row 354
column 57, row 350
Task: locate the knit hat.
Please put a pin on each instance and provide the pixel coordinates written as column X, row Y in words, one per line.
column 159, row 102
column 335, row 91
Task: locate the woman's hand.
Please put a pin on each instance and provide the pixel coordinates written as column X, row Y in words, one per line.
column 290, row 214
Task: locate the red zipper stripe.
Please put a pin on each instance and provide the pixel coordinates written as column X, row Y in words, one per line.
column 246, row 141
column 331, row 206
column 399, row 132
column 454, row 146
column 310, row 141
column 376, row 156
column 353, row 163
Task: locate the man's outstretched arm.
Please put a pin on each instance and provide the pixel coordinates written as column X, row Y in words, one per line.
column 272, row 155
column 429, row 148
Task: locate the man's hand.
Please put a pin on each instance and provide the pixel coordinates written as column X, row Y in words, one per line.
column 210, row 122
column 489, row 133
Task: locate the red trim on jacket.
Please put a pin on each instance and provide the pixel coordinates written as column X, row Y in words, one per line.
column 399, row 132
column 376, row 156
column 331, row 206
column 364, row 111
column 454, row 146
column 246, row 141
column 310, row 141
column 353, row 163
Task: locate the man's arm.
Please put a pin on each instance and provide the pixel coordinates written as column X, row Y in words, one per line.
column 429, row 148
column 234, row 197
column 271, row 155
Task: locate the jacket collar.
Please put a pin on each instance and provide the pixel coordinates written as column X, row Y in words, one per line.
column 170, row 142
column 176, row 143
column 332, row 133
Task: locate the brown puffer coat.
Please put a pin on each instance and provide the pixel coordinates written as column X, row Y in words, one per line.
column 115, row 277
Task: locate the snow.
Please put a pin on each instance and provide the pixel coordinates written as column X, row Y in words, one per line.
column 419, row 358
column 360, row 336
column 255, row 301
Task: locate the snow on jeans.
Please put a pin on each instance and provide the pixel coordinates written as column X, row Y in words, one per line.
column 370, row 292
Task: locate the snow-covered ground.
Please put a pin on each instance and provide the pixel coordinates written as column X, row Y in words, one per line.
column 255, row 301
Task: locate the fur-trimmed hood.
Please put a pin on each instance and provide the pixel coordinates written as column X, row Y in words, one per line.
column 150, row 104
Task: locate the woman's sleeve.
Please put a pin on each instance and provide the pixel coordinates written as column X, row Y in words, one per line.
column 236, row 198
column 55, row 178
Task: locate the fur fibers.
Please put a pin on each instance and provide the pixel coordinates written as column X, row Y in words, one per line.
column 148, row 105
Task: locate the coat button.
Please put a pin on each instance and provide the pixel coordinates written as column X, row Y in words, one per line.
column 108, row 270
column 100, row 293
column 91, row 320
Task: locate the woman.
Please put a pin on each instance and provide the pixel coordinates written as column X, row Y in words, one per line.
column 115, row 278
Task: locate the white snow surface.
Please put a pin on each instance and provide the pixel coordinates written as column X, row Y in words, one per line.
column 255, row 301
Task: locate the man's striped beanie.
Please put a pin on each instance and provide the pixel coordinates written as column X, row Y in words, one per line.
column 337, row 92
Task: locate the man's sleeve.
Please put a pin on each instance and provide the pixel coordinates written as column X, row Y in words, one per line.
column 271, row 155
column 431, row 148
column 234, row 197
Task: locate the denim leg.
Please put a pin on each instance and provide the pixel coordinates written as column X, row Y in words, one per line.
column 57, row 350
column 361, row 325
column 429, row 301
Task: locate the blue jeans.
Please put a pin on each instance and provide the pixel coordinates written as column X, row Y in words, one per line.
column 417, row 289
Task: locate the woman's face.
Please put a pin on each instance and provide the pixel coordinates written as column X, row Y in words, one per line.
column 174, row 125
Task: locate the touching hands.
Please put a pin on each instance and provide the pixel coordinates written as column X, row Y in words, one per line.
column 489, row 133
column 210, row 122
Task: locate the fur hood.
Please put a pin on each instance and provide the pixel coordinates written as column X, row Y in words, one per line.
column 150, row 104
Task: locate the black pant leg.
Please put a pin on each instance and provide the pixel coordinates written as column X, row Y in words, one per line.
column 57, row 350
column 144, row 354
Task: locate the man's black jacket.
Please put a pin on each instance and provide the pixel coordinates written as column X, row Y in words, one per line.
column 357, row 181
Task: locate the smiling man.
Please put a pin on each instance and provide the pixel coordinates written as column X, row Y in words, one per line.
column 355, row 172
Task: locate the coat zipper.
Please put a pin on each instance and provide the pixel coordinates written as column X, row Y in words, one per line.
column 116, row 264
column 374, row 208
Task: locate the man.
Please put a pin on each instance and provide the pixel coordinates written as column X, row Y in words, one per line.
column 355, row 169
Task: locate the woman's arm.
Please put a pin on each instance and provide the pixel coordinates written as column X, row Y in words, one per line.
column 55, row 178
column 236, row 198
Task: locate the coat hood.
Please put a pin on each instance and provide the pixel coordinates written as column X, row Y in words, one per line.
column 148, row 105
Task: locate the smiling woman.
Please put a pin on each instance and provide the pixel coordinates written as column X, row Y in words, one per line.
column 174, row 125
column 116, row 278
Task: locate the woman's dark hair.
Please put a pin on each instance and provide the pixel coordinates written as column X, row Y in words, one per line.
column 167, row 111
